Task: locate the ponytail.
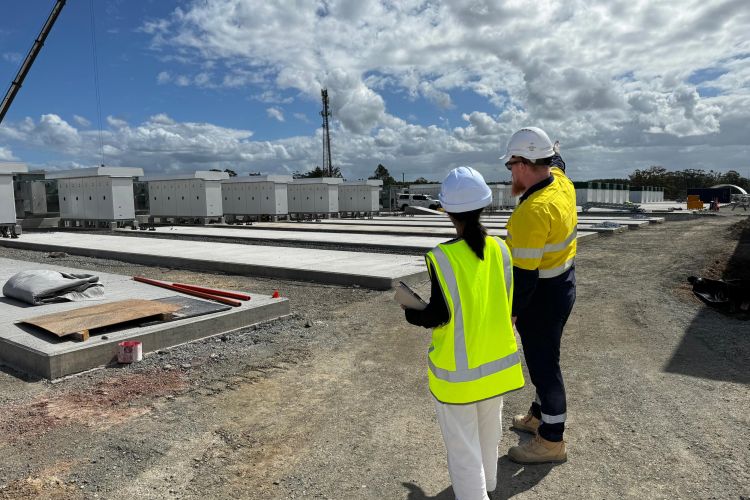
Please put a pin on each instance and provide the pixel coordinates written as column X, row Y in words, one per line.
column 474, row 231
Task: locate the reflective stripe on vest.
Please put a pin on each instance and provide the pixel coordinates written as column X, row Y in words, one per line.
column 463, row 373
column 507, row 265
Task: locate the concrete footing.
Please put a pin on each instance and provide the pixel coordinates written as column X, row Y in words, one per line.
column 33, row 351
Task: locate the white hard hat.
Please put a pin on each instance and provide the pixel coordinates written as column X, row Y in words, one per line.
column 531, row 143
column 464, row 190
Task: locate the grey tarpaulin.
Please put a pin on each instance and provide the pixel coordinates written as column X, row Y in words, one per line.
column 43, row 286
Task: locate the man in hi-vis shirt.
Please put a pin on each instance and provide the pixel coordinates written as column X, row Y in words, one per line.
column 542, row 240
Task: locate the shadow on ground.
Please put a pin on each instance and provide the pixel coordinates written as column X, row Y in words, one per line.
column 512, row 479
column 716, row 346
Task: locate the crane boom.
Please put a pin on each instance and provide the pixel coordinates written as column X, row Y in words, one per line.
column 26, row 66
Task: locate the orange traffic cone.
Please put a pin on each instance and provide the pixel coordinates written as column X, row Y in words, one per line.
column 275, row 295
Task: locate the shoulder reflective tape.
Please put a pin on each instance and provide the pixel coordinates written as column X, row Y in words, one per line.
column 459, row 344
column 556, row 271
column 562, row 246
column 470, row 374
column 553, row 419
column 507, row 265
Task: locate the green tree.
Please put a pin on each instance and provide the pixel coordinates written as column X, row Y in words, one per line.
column 676, row 183
column 316, row 172
column 231, row 172
column 381, row 173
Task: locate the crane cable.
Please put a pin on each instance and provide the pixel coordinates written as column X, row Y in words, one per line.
column 96, row 80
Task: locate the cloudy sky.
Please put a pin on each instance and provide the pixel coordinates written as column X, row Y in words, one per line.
column 420, row 86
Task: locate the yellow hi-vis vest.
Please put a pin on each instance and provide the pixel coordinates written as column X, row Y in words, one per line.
column 474, row 356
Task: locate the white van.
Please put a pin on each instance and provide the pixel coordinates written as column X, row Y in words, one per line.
column 417, row 200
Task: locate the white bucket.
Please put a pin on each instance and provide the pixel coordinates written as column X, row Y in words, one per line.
column 129, row 351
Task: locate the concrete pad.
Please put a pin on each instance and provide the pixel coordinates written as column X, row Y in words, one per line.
column 393, row 243
column 487, row 221
column 423, row 242
column 386, row 229
column 371, row 270
column 45, row 355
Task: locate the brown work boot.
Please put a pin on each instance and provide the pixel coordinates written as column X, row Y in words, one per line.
column 539, row 451
column 526, row 423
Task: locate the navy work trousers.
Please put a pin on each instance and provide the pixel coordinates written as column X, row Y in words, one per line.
column 540, row 326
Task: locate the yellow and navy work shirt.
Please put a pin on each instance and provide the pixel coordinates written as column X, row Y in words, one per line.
column 542, row 236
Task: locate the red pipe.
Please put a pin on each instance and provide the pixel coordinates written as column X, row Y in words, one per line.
column 212, row 291
column 168, row 286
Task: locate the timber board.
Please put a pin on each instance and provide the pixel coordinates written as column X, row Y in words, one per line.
column 88, row 318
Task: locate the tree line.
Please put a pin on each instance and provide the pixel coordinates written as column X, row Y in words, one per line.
column 677, row 182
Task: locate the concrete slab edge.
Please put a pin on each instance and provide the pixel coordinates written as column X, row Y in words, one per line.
column 330, row 278
column 104, row 353
column 294, row 243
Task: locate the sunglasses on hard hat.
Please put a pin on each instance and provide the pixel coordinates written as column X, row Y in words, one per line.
column 509, row 164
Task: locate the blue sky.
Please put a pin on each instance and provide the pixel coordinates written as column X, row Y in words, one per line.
column 421, row 87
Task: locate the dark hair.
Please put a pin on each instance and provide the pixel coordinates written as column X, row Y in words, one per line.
column 474, row 231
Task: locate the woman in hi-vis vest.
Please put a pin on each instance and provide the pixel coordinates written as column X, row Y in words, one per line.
column 473, row 358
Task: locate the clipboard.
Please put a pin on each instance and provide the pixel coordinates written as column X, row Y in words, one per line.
column 408, row 297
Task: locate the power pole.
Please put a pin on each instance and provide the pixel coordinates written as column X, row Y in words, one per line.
column 327, row 163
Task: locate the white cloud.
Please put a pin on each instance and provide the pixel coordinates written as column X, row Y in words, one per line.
column 203, row 79
column 617, row 92
column 588, row 75
column 275, row 113
column 163, row 77
column 272, row 97
column 6, row 154
column 12, row 57
column 81, row 121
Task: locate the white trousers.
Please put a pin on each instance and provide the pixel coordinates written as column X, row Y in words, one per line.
column 471, row 434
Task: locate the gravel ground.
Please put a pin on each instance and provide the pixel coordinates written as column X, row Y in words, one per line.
column 332, row 402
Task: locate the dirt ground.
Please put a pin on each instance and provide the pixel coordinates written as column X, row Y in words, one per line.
column 332, row 402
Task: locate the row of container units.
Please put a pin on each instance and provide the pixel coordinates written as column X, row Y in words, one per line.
column 96, row 194
column 209, row 194
column 646, row 194
column 109, row 194
column 8, row 225
column 601, row 192
column 502, row 196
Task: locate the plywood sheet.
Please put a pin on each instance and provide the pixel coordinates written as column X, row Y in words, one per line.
column 84, row 319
